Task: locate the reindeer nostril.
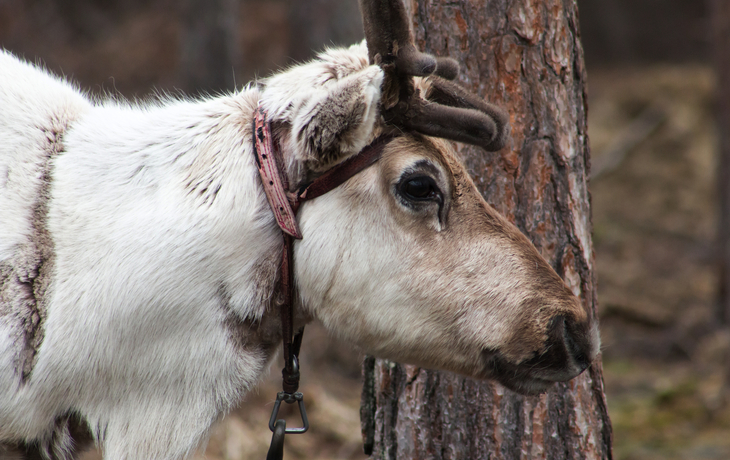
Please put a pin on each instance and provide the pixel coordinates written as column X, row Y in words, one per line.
column 577, row 343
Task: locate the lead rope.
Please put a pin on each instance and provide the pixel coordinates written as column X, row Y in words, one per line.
column 290, row 373
column 284, row 206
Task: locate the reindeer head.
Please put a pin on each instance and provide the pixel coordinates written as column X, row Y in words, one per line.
column 406, row 259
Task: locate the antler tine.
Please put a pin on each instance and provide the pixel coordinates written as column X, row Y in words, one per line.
column 390, row 45
column 386, row 29
column 451, row 112
column 487, row 129
column 456, row 124
column 449, row 94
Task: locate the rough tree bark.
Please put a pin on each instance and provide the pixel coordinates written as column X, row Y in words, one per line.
column 720, row 14
column 526, row 56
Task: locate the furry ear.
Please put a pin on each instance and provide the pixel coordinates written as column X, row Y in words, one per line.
column 337, row 121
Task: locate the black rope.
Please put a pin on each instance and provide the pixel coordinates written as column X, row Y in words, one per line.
column 276, row 450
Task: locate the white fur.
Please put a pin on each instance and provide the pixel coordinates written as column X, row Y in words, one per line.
column 120, row 216
column 46, row 102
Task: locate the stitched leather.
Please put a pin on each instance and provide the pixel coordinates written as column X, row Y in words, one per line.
column 271, row 177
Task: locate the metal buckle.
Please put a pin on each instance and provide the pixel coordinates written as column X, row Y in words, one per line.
column 289, row 399
column 276, row 450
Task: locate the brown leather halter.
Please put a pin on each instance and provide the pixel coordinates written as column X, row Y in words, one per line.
column 285, row 205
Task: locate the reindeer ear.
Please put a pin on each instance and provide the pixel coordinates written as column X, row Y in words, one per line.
column 337, row 121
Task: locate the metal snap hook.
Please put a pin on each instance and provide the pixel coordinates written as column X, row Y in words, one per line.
column 289, row 398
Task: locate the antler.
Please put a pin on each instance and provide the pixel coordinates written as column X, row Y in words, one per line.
column 449, row 110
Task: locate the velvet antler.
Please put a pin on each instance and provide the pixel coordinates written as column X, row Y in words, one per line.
column 449, row 111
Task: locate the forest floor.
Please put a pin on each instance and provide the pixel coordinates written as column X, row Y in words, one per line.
column 654, row 212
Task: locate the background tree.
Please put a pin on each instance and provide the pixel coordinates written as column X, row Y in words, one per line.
column 526, row 56
column 315, row 24
column 208, row 45
column 720, row 14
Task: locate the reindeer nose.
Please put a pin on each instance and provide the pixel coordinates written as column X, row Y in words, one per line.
column 579, row 340
column 578, row 343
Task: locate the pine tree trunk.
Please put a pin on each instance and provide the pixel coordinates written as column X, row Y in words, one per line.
column 720, row 14
column 526, row 56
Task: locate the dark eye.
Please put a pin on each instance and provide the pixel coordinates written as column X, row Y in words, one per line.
column 420, row 188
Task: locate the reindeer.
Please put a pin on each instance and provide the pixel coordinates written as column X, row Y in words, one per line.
column 140, row 255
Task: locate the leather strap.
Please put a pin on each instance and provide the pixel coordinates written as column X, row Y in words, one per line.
column 285, row 206
column 290, row 373
column 275, row 184
column 345, row 170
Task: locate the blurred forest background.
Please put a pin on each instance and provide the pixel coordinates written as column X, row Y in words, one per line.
column 654, row 184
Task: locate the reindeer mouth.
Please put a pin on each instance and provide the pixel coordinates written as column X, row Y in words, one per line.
column 530, row 377
column 516, row 377
column 569, row 350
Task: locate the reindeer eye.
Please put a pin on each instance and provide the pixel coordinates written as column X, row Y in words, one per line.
column 419, row 188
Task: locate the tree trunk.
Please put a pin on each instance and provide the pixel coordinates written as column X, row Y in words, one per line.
column 526, row 56
column 720, row 14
